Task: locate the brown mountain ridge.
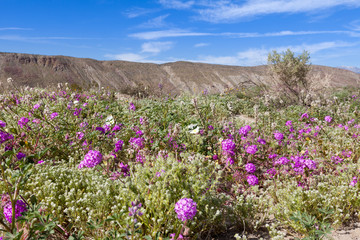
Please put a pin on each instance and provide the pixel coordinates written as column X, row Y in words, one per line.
column 175, row 78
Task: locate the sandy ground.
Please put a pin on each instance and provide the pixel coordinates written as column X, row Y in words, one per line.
column 347, row 233
column 344, row 233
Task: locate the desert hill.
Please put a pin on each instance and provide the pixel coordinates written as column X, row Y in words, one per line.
column 176, row 77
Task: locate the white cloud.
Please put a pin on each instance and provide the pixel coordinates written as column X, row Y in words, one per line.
column 355, row 25
column 132, row 57
column 258, row 56
column 201, row 45
column 228, row 11
column 156, row 47
column 156, row 22
column 14, row 28
column 283, row 33
column 137, row 12
column 25, row 39
column 166, row 33
column 184, row 33
column 177, row 4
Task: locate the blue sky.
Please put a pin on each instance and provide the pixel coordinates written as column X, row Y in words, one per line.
column 231, row 32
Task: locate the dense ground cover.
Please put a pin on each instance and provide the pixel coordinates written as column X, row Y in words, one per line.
column 93, row 165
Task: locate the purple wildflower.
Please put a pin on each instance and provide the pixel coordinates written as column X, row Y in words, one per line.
column 281, row 161
column 185, row 209
column 139, row 133
column 252, row 180
column 252, row 149
column 100, row 129
column 83, row 124
column 20, row 207
column 228, row 147
column 336, row 159
column 346, row 153
column 278, row 136
column 140, row 158
column 23, row 121
column 328, row 119
column 20, row 155
column 250, row 167
column 36, row 106
column 54, row 115
column 354, row 181
column 77, row 112
column 40, row 162
column 261, row 141
column 117, row 128
column 244, row 130
column 141, row 120
column 230, row 161
column 132, row 106
column 135, row 210
column 304, row 115
column 2, row 124
column 80, row 135
column 106, row 127
column 4, row 136
column 91, row 159
column 118, row 145
column 210, row 127
column 137, row 143
column 288, row 123
column 271, row 156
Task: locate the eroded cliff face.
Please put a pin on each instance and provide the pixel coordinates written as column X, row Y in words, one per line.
column 174, row 78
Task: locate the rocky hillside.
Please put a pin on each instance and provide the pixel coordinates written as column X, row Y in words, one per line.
column 177, row 77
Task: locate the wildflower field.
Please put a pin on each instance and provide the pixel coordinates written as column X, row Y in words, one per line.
column 93, row 165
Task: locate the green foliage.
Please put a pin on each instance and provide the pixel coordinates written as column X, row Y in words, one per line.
column 182, row 158
column 291, row 73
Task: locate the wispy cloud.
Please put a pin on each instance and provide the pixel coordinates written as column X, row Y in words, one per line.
column 156, row 47
column 283, row 33
column 137, row 12
column 355, row 25
column 157, row 22
column 258, row 56
column 223, row 11
column 166, row 34
column 24, row 39
column 184, row 33
column 177, row 4
column 132, row 57
column 14, row 28
column 201, row 45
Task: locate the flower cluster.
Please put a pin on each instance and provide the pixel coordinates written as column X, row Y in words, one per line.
column 137, row 143
column 278, row 136
column 118, row 145
column 134, row 211
column 54, row 115
column 91, row 159
column 252, row 149
column 244, row 130
column 228, row 147
column 4, row 136
column 20, row 207
column 252, row 180
column 328, row 119
column 250, row 168
column 23, row 121
column 185, row 209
